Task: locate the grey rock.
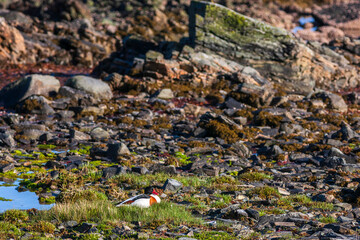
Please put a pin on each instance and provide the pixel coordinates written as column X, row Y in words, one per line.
column 343, row 219
column 336, row 102
column 233, row 104
column 141, row 170
column 165, row 93
column 6, row 138
column 345, row 132
column 35, row 105
column 32, row 134
column 54, row 174
column 254, row 95
column 272, row 51
column 84, row 227
column 241, row 149
column 117, row 149
column 113, row 171
column 172, row 185
column 93, row 86
column 160, row 168
column 6, row 167
column 99, row 134
column 78, row 135
column 30, row 85
column 70, row 224
column 53, row 164
column 253, row 213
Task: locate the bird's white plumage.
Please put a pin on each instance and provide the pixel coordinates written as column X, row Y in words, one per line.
column 139, row 201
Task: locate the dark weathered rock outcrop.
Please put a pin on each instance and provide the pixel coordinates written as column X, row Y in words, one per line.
column 274, row 52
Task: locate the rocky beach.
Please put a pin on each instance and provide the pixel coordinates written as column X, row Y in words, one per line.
column 243, row 116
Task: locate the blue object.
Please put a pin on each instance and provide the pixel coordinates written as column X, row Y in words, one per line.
column 296, row 29
column 20, row 200
column 304, row 20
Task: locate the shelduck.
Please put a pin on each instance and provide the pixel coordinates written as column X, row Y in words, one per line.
column 143, row 200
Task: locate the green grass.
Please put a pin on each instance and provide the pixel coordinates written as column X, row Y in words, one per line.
column 214, row 235
column 101, row 211
column 291, row 201
column 264, row 192
column 322, row 205
column 46, row 146
column 9, row 230
column 223, row 202
column 183, row 159
column 74, row 195
column 328, row 219
column 14, row 215
column 254, row 176
column 158, row 178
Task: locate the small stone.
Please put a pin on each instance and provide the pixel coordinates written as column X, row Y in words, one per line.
column 284, row 224
column 141, row 170
column 142, row 235
column 283, row 191
column 53, row 164
column 165, row 93
column 253, row 213
column 7, row 167
column 117, row 149
column 99, row 134
column 84, row 227
column 172, row 185
column 70, row 224
column 78, row 135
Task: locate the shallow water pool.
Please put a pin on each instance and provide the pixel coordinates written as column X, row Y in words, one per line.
column 19, row 200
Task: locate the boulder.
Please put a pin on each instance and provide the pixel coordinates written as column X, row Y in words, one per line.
column 12, row 44
column 23, row 88
column 93, row 86
column 272, row 51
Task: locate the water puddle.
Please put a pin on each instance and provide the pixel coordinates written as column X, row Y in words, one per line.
column 19, row 200
column 302, row 22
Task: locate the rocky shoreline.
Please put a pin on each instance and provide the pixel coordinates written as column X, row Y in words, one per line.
column 246, row 130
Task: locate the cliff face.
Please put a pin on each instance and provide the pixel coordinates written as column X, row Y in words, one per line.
column 274, row 52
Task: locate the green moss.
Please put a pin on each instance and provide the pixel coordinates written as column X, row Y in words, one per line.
column 5, row 199
column 46, row 146
column 9, row 230
column 43, row 227
column 240, row 29
column 254, row 176
column 82, row 150
column 328, row 219
column 48, row 200
column 215, row 235
column 14, row 216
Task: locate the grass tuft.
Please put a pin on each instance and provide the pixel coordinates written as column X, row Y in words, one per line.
column 101, row 211
column 264, row 192
column 254, row 176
